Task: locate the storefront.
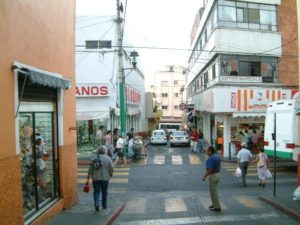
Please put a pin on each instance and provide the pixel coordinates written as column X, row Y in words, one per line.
column 225, row 112
column 38, row 124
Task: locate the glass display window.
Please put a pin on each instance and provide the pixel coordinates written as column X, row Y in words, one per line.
column 39, row 162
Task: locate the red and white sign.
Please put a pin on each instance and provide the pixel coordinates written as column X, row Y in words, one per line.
column 133, row 96
column 92, row 90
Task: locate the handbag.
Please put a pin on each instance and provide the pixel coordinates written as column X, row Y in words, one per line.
column 268, row 174
column 86, row 187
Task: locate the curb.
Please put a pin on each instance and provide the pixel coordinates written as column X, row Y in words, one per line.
column 282, row 208
column 115, row 215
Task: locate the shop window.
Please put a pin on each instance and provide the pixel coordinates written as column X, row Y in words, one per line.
column 39, row 162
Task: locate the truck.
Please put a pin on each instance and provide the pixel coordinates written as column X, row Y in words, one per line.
column 287, row 113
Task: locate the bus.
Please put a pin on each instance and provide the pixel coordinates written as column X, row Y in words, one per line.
column 287, row 129
column 169, row 126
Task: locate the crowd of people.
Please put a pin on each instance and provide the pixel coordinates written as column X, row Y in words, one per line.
column 110, row 152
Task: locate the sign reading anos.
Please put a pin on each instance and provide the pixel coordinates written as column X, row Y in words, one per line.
column 92, row 90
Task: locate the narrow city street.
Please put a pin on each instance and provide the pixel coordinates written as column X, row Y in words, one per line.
column 166, row 188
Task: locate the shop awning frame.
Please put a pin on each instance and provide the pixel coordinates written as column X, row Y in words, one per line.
column 43, row 79
column 248, row 114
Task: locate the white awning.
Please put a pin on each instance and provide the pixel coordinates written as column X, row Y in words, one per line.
column 249, row 114
column 92, row 115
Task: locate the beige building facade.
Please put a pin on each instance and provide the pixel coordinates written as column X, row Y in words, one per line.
column 169, row 93
column 38, row 158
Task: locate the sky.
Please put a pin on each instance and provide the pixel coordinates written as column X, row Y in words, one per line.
column 152, row 23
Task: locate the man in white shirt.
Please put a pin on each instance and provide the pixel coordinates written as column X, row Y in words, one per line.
column 244, row 157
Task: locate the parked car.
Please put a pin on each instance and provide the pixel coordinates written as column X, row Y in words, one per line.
column 179, row 138
column 158, row 137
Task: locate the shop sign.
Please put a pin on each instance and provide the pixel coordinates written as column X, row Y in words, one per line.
column 133, row 96
column 241, row 79
column 92, row 90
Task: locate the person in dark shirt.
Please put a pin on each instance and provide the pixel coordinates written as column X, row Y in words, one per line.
column 213, row 165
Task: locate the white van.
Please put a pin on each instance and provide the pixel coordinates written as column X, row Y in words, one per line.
column 287, row 129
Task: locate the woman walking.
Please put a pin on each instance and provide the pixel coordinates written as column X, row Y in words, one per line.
column 262, row 166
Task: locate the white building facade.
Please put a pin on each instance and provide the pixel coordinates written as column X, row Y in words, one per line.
column 234, row 68
column 97, row 87
column 169, row 93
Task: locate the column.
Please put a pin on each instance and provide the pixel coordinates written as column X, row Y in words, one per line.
column 227, row 135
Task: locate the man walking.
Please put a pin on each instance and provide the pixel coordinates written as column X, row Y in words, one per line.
column 101, row 170
column 99, row 136
column 244, row 157
column 194, row 140
column 213, row 165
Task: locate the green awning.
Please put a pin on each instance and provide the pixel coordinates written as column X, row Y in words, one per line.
column 43, row 79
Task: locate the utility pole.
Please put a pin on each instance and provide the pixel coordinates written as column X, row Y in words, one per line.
column 119, row 22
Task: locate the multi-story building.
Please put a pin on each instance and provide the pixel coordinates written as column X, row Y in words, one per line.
column 244, row 56
column 169, row 93
column 38, row 157
column 97, row 83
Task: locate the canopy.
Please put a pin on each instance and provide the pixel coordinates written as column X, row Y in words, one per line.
column 249, row 114
column 44, row 79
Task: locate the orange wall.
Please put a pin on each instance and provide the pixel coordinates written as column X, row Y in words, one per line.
column 288, row 26
column 39, row 34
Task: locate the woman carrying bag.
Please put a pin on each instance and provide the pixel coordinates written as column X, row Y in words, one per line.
column 101, row 170
column 262, row 167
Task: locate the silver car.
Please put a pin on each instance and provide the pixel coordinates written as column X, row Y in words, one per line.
column 179, row 138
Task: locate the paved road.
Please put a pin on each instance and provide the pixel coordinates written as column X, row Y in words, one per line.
column 166, row 188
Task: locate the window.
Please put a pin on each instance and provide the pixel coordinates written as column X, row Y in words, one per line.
column 176, row 107
column 164, row 83
column 249, row 68
column 214, row 71
column 39, row 155
column 227, row 13
column 164, row 107
column 175, row 82
column 176, row 95
column 242, row 14
column 164, row 95
column 253, row 16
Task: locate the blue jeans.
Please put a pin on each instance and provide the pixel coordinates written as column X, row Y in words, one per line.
column 201, row 145
column 100, row 185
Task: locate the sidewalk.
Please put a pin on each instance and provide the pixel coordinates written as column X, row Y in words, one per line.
column 284, row 202
column 284, row 197
column 84, row 212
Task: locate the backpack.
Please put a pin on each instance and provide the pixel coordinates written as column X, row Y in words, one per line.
column 96, row 161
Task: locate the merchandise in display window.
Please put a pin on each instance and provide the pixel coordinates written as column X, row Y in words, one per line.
column 39, row 163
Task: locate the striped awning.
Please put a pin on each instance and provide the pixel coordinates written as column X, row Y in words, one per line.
column 249, row 114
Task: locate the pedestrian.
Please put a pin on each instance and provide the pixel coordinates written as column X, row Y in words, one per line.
column 194, row 140
column 130, row 137
column 201, row 141
column 100, row 170
column 254, row 140
column 115, row 139
column 213, row 165
column 244, row 157
column 262, row 166
column 120, row 151
column 108, row 143
column 248, row 140
column 99, row 136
